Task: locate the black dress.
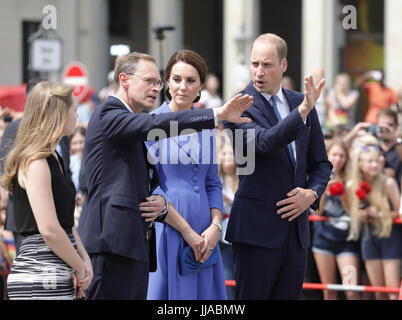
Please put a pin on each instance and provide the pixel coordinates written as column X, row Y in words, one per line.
column 37, row 272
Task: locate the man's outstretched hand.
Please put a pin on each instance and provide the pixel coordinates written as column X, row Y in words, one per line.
column 232, row 110
column 311, row 96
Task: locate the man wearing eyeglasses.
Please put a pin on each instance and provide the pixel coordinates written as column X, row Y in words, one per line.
column 117, row 234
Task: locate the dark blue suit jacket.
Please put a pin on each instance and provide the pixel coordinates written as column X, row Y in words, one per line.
column 117, row 176
column 253, row 218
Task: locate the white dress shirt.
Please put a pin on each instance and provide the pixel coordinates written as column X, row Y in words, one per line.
column 283, row 108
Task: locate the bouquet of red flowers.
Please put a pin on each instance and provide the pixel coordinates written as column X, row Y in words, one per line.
column 337, row 189
column 362, row 192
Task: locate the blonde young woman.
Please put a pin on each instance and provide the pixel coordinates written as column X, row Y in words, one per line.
column 330, row 247
column 372, row 217
column 44, row 199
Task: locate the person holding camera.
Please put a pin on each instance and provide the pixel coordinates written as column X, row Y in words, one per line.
column 330, row 247
column 390, row 141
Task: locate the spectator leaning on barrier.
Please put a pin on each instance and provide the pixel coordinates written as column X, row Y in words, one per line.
column 373, row 201
column 330, row 246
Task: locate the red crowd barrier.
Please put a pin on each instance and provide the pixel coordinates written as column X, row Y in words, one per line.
column 340, row 287
column 323, row 218
column 400, row 293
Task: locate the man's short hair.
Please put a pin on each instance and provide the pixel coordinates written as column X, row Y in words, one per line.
column 276, row 40
column 390, row 113
column 128, row 64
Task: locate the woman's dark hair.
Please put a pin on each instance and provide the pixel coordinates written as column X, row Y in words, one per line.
column 190, row 57
column 78, row 130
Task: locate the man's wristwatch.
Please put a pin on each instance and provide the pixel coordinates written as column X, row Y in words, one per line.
column 218, row 225
column 315, row 204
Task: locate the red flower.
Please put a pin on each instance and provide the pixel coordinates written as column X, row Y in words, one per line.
column 365, row 187
column 336, row 189
column 361, row 194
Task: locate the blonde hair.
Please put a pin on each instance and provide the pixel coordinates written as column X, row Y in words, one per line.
column 377, row 197
column 40, row 129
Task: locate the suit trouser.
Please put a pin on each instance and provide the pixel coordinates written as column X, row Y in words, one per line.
column 266, row 273
column 117, row 277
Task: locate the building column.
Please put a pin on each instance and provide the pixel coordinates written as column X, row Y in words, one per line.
column 165, row 13
column 320, row 38
column 92, row 35
column 393, row 43
column 240, row 28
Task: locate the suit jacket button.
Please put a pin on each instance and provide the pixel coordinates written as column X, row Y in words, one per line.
column 195, row 179
column 197, row 189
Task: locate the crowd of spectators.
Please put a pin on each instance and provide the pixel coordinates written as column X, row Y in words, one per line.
column 358, row 244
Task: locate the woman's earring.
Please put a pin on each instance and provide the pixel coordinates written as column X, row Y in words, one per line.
column 198, row 97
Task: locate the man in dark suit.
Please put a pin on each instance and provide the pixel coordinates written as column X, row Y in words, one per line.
column 117, row 226
column 268, row 224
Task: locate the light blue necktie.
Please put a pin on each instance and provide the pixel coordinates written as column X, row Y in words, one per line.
column 278, row 116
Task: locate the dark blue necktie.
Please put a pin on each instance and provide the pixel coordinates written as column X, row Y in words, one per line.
column 278, row 116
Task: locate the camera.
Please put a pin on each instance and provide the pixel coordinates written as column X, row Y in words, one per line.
column 7, row 119
column 374, row 130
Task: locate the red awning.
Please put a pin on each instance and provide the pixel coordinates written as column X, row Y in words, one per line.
column 13, row 97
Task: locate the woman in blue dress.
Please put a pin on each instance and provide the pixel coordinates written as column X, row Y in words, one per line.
column 189, row 177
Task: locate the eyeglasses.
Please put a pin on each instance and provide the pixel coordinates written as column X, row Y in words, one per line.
column 151, row 82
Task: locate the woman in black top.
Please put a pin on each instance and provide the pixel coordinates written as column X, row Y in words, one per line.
column 51, row 252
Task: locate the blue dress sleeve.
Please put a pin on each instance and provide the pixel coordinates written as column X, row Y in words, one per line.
column 213, row 183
